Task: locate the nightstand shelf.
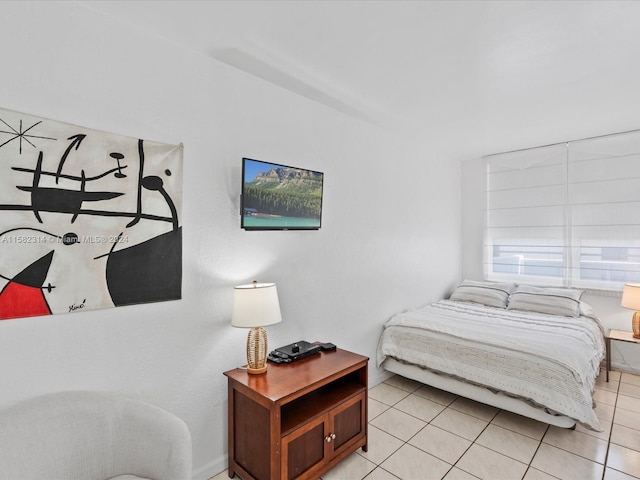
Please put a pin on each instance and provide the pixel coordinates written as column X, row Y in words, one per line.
column 298, row 420
column 305, row 408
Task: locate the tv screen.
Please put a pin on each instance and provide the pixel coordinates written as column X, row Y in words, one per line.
column 278, row 197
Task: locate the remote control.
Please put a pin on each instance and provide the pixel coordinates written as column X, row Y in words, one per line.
column 275, row 358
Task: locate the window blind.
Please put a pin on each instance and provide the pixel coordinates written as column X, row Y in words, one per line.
column 565, row 214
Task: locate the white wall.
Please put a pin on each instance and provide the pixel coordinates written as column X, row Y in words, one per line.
column 623, row 356
column 390, row 237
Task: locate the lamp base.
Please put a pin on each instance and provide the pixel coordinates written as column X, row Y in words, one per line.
column 257, row 351
column 635, row 325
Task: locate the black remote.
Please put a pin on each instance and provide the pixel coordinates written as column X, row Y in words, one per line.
column 277, row 357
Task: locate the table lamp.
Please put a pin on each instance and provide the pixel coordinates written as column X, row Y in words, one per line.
column 631, row 299
column 256, row 306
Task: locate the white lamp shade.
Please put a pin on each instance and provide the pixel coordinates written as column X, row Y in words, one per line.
column 255, row 305
column 631, row 297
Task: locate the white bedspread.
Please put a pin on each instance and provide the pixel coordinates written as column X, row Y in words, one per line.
column 551, row 361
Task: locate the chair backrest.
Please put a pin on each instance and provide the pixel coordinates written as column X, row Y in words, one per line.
column 92, row 436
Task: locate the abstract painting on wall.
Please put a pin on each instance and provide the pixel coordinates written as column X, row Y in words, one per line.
column 88, row 219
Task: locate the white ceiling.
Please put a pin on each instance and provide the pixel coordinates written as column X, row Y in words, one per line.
column 496, row 74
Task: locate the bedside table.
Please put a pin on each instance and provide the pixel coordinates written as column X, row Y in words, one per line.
column 619, row 335
column 299, row 419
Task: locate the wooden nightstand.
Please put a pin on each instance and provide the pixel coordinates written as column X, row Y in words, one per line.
column 299, row 419
column 622, row 336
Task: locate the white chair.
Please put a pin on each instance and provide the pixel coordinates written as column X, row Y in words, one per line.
column 92, row 436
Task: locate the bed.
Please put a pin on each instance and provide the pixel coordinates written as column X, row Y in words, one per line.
column 529, row 350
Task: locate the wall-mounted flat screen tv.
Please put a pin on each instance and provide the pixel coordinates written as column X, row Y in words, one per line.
column 278, row 197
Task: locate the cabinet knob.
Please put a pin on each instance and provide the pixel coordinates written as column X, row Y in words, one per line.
column 328, row 439
column 333, row 436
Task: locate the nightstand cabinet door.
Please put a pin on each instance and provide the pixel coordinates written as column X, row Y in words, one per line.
column 305, row 449
column 347, row 422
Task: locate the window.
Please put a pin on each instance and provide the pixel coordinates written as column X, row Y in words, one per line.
column 566, row 214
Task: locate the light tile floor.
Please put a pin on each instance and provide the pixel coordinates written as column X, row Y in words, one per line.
column 418, row 432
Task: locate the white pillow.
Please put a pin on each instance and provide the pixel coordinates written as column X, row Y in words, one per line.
column 552, row 301
column 490, row 294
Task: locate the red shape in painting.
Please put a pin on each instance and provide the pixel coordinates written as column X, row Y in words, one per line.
column 23, row 296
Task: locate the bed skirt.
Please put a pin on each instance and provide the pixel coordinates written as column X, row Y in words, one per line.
column 475, row 392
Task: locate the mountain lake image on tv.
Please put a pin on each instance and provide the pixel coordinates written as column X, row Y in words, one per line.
column 278, row 197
